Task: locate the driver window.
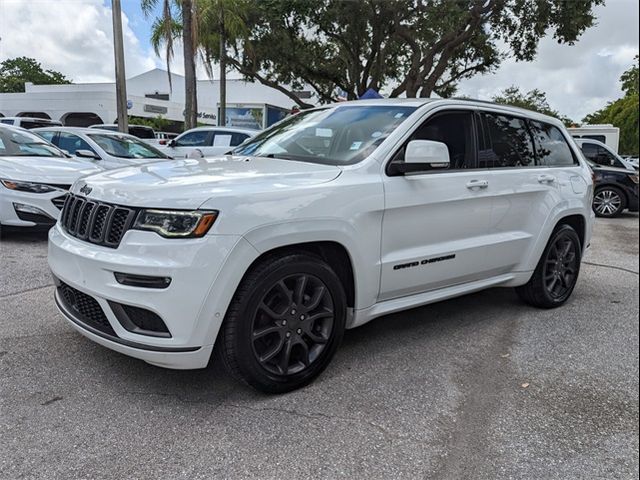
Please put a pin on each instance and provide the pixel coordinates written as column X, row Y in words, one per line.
column 455, row 130
column 193, row 139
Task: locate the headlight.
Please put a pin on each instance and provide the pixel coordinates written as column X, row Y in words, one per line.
column 176, row 223
column 634, row 178
column 27, row 186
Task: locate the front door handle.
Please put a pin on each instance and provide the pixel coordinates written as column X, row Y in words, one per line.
column 477, row 184
column 546, row 178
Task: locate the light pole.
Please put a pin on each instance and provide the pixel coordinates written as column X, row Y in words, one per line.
column 121, row 83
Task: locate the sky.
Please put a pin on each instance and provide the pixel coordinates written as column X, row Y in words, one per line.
column 75, row 38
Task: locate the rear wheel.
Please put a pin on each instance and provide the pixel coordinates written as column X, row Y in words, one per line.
column 557, row 271
column 609, row 202
column 284, row 324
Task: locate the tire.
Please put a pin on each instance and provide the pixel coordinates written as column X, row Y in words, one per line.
column 609, row 202
column 280, row 331
column 556, row 274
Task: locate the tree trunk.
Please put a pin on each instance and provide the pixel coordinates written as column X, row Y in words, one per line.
column 223, row 72
column 190, row 88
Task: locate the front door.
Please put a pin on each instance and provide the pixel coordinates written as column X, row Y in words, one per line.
column 435, row 226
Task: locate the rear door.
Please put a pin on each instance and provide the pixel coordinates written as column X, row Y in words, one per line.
column 526, row 183
column 435, row 225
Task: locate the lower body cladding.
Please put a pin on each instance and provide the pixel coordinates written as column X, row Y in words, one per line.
column 172, row 323
column 24, row 209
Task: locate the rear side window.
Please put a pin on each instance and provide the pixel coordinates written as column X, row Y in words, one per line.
column 552, row 148
column 48, row 136
column 505, row 142
column 141, row 132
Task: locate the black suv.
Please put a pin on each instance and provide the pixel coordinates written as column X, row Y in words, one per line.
column 615, row 189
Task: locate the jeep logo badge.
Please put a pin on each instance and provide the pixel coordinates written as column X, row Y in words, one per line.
column 86, row 189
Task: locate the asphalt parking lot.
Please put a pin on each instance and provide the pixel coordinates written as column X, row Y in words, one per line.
column 476, row 387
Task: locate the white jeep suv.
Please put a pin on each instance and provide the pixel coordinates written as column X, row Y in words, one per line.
column 325, row 221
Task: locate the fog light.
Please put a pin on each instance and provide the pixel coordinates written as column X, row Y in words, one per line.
column 143, row 281
column 21, row 207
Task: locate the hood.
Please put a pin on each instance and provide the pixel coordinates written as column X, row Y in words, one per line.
column 46, row 169
column 189, row 183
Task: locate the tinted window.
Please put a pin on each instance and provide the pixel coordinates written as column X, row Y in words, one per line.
column 600, row 138
column 238, row 138
column 193, row 139
column 71, row 143
column 504, row 142
column 600, row 155
column 28, row 124
column 455, row 131
column 552, row 148
column 141, row 132
column 6, row 121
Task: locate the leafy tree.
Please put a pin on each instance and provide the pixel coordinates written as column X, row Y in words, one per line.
column 623, row 113
column 535, row 100
column 166, row 29
column 158, row 123
column 410, row 47
column 15, row 72
column 629, row 79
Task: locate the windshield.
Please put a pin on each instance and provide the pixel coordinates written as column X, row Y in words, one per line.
column 125, row 146
column 340, row 135
column 18, row 143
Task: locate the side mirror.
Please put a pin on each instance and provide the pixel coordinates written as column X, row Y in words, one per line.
column 87, row 154
column 421, row 155
column 172, row 143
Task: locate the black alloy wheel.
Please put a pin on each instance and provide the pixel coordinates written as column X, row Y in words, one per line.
column 608, row 202
column 293, row 324
column 284, row 324
column 561, row 267
column 556, row 274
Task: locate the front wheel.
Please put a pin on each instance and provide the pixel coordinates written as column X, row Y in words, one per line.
column 284, row 324
column 557, row 271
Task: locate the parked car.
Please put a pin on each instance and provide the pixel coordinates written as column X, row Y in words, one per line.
column 141, row 131
column 207, row 141
column 600, row 154
column 34, row 178
column 615, row 190
column 108, row 149
column 29, row 122
column 325, row 221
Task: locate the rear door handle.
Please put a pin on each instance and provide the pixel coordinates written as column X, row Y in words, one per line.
column 546, row 178
column 477, row 184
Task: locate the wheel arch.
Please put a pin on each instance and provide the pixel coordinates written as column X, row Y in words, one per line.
column 578, row 222
column 332, row 252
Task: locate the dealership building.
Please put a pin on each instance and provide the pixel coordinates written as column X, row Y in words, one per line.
column 149, row 95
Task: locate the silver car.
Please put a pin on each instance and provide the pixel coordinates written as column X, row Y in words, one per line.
column 109, row 149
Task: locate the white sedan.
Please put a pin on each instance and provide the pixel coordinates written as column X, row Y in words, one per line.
column 108, row 149
column 207, row 141
column 34, row 178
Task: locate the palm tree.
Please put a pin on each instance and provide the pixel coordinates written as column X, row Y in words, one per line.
column 221, row 22
column 165, row 30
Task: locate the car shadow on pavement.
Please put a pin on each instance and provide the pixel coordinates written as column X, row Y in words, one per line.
column 23, row 235
column 378, row 344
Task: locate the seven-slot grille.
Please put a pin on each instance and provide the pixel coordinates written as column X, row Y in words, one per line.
column 96, row 222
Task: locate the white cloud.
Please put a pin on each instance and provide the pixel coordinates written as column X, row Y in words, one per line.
column 578, row 79
column 72, row 37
